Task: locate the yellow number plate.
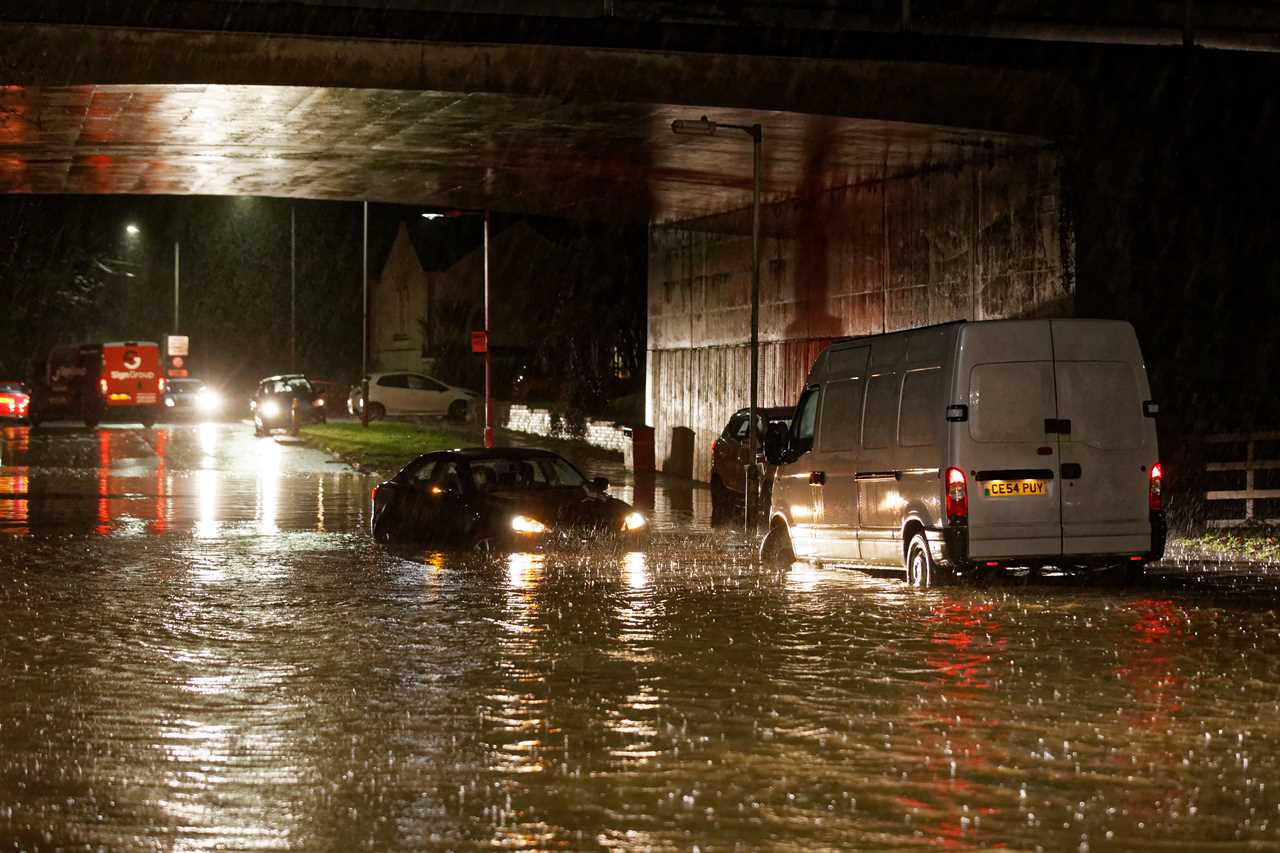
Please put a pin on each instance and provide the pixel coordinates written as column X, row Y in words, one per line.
column 1014, row 488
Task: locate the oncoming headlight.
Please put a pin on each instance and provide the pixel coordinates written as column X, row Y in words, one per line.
column 269, row 409
column 524, row 524
column 209, row 401
column 634, row 521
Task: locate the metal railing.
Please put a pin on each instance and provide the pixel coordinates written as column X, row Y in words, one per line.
column 1248, row 466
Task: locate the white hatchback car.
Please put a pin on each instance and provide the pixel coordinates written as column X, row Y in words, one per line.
column 405, row 393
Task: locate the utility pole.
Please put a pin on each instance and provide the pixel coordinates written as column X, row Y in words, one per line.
column 176, row 280
column 293, row 292
column 488, row 347
column 364, row 325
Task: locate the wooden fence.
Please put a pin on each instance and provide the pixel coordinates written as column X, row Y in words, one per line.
column 1248, row 466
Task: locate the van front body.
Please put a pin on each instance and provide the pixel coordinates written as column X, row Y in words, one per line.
column 1045, row 429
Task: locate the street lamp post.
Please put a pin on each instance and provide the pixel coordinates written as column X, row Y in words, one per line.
column 705, row 127
column 488, row 350
column 133, row 231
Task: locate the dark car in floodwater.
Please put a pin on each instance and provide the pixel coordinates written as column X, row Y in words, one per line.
column 507, row 499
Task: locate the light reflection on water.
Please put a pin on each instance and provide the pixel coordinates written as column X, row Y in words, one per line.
column 251, row 672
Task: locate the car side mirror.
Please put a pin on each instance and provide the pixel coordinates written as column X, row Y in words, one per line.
column 775, row 444
column 600, row 484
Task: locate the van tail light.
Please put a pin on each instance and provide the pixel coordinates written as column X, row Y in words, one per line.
column 1154, row 483
column 102, row 385
column 161, row 388
column 957, row 495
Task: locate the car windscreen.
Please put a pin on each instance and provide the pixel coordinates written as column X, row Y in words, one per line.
column 12, row 388
column 533, row 472
column 297, row 385
column 185, row 386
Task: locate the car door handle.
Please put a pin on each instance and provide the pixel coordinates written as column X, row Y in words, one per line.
column 818, row 478
column 1071, row 471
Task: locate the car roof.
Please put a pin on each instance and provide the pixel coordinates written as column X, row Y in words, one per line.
column 494, row 453
column 283, row 376
column 771, row 412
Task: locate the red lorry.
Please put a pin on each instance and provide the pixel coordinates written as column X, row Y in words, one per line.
column 122, row 381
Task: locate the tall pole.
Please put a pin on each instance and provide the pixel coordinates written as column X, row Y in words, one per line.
column 364, row 323
column 488, row 348
column 293, row 291
column 753, row 444
column 176, row 280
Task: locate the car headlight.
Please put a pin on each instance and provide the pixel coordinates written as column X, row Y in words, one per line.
column 168, row 401
column 634, row 521
column 320, row 401
column 524, row 524
column 209, row 401
column 269, row 409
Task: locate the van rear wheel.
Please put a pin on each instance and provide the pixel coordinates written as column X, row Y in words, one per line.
column 776, row 548
column 921, row 571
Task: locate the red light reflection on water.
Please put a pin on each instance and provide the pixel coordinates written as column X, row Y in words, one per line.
column 15, row 507
column 114, row 492
column 966, row 637
column 1148, row 668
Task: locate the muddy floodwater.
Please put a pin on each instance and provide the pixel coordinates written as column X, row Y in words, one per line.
column 201, row 648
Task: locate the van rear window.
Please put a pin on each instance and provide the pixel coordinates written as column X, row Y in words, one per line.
column 1008, row 402
column 1101, row 400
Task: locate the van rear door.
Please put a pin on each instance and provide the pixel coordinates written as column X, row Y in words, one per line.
column 1006, row 369
column 1108, row 451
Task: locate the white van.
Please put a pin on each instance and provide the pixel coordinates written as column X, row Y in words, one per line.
column 970, row 446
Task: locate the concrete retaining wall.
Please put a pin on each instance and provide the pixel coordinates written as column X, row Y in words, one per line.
column 979, row 241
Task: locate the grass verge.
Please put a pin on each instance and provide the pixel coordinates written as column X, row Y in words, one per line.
column 1261, row 545
column 387, row 446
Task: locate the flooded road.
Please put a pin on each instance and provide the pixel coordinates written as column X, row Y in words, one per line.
column 200, row 648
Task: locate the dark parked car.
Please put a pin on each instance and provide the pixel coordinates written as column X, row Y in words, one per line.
column 506, row 499
column 285, row 402
column 729, row 456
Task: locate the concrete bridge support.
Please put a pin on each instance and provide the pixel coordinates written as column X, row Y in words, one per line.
column 978, row 240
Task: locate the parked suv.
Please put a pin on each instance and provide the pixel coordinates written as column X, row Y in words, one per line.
column 405, row 393
column 285, row 402
column 729, row 456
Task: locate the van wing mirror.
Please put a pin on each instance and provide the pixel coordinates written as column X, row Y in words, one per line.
column 958, row 413
column 775, row 444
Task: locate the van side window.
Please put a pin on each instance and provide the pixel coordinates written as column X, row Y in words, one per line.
column 840, row 424
column 882, row 411
column 1009, row 401
column 806, row 417
column 921, row 408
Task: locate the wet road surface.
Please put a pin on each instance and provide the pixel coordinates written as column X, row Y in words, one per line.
column 200, row 648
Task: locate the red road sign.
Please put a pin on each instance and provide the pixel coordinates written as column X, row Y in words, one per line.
column 479, row 341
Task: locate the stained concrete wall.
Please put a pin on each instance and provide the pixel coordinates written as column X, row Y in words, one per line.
column 983, row 240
